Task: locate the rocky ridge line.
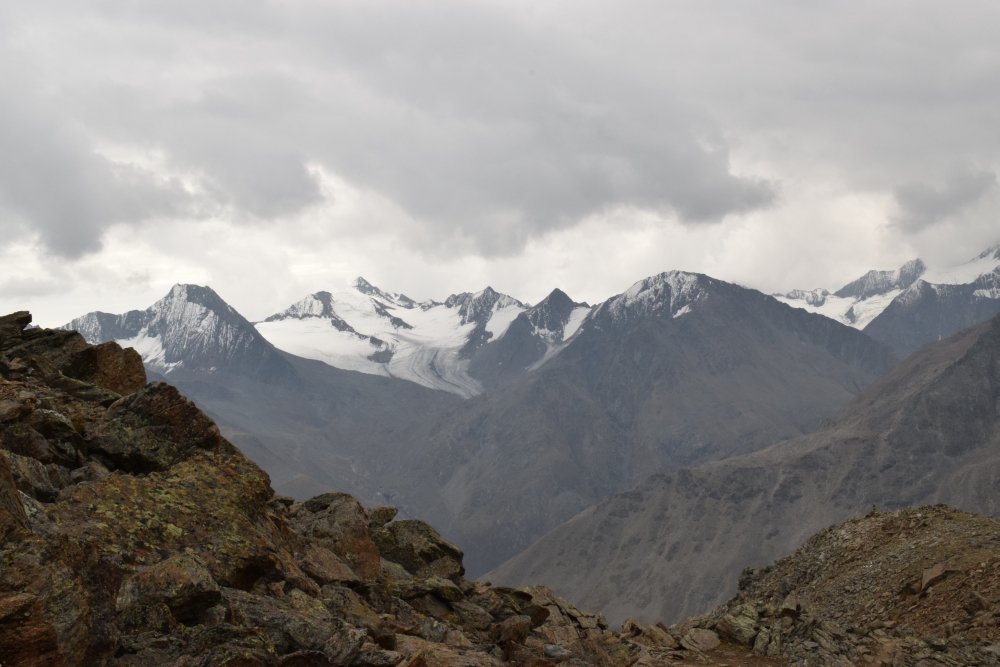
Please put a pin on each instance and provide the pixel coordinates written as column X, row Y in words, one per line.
column 913, row 587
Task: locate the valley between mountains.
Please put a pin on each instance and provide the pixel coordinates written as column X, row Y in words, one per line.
column 636, row 454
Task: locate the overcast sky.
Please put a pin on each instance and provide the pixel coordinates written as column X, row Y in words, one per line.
column 273, row 149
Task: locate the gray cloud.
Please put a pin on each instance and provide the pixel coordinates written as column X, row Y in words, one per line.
column 491, row 123
column 53, row 183
column 922, row 205
column 476, row 124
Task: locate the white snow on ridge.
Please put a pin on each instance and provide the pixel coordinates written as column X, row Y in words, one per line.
column 647, row 295
column 150, row 348
column 387, row 334
column 859, row 312
column 505, row 311
column 575, row 321
column 988, row 262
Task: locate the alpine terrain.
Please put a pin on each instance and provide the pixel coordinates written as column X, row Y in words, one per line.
column 678, row 370
column 572, row 404
column 448, row 345
column 929, row 432
column 912, row 305
column 313, row 427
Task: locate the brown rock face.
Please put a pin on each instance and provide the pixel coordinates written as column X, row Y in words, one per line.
column 338, row 522
column 154, row 429
column 182, row 583
column 420, row 549
column 109, row 366
column 12, row 516
column 325, row 567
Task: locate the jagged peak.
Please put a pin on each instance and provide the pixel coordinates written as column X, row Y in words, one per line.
column 477, row 307
column 879, row 282
column 676, row 291
column 365, row 287
column 992, row 250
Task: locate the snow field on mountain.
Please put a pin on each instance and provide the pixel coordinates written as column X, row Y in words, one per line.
column 837, row 307
column 427, row 353
column 988, row 262
column 866, row 309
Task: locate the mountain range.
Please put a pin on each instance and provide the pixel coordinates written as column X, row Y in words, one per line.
column 499, row 421
column 927, row 433
column 912, row 305
column 580, row 403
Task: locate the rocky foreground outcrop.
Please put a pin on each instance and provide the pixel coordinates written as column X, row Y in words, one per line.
column 910, row 587
column 133, row 534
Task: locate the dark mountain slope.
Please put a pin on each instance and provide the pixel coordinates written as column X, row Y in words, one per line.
column 537, row 331
column 927, row 433
column 926, row 312
column 331, row 430
column 679, row 370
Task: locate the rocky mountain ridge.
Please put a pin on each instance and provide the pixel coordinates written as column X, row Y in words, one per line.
column 929, row 432
column 680, row 370
column 912, row 305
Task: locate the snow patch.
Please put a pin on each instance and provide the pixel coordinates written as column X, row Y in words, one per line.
column 504, row 312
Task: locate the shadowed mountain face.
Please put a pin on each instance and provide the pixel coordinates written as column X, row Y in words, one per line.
column 927, row 433
column 680, row 370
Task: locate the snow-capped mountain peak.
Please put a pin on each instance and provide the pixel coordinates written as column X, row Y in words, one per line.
column 319, row 304
column 673, row 292
column 877, row 283
column 189, row 328
column 367, row 329
column 861, row 301
column 365, row 287
column 481, row 306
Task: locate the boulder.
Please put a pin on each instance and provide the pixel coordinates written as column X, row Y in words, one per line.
column 23, row 440
column 739, row 627
column 380, row 516
column 419, row 548
column 514, row 629
column 372, row 655
column 108, row 366
column 293, row 622
column 631, row 628
column 60, row 434
column 325, row 567
column 660, row 637
column 932, row 575
column 557, row 653
column 154, row 429
column 37, row 480
column 699, row 639
column 347, row 605
column 421, row 653
column 343, row 646
column 339, row 522
column 182, row 583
